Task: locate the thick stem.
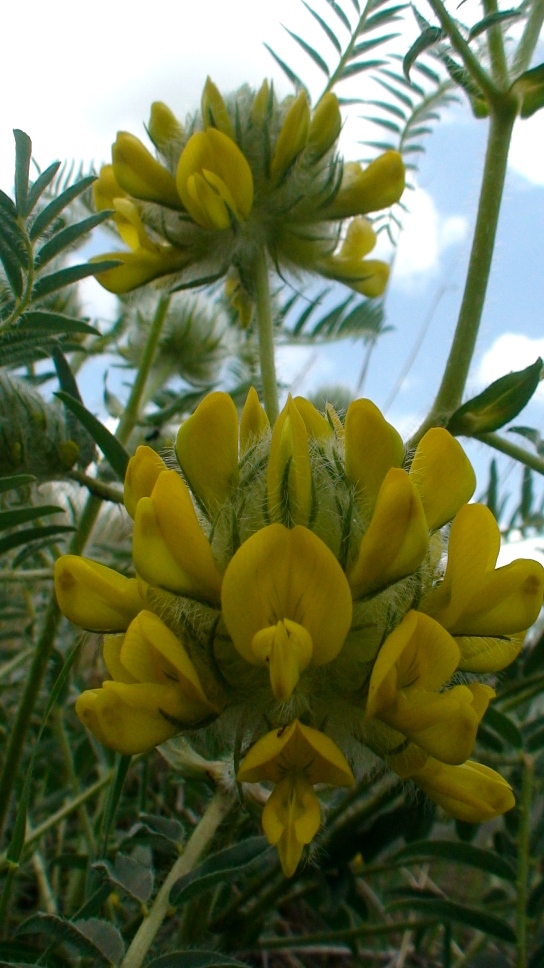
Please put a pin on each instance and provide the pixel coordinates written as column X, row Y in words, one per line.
column 523, row 859
column 451, row 390
column 132, row 409
column 265, row 326
column 200, row 839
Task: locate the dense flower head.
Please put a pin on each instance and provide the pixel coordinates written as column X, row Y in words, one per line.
column 245, row 173
column 302, row 604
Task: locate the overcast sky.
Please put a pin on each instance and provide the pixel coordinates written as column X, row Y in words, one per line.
column 72, row 75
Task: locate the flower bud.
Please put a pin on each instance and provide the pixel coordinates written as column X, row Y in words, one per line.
column 140, row 174
column 214, row 110
column 293, row 137
column 163, row 128
column 325, row 125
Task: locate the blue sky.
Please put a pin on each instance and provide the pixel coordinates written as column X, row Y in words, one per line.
column 80, row 81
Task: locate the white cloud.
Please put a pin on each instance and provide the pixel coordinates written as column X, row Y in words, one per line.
column 425, row 237
column 511, row 351
column 526, row 149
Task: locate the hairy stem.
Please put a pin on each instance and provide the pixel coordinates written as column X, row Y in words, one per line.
column 512, row 450
column 523, row 859
column 495, row 43
column 132, row 409
column 471, row 62
column 199, row 840
column 265, row 325
column 451, row 389
column 529, row 38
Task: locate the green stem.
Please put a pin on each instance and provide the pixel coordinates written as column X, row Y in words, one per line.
column 471, row 62
column 132, row 409
column 94, row 485
column 451, row 390
column 325, row 937
column 512, row 450
column 495, row 43
column 265, row 326
column 44, row 648
column 523, row 859
column 200, row 839
column 529, row 38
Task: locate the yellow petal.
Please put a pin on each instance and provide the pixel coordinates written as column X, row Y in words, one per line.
column 289, row 475
column 142, row 472
column 296, row 748
column 443, row 724
column 213, row 151
column 287, row 649
column 486, row 653
column 291, row 819
column 396, row 540
column 106, row 189
column 378, row 186
column 261, row 105
column 139, row 267
column 418, row 653
column 214, row 110
column 164, row 128
column 209, row 205
column 253, row 422
column 169, row 548
column 475, row 599
column 111, row 653
column 325, row 125
column 282, row 573
column 207, row 450
column 140, row 174
column 95, row 597
column 470, row 792
column 443, row 476
column 316, row 424
column 292, row 138
column 373, row 447
column 152, row 653
column 359, row 241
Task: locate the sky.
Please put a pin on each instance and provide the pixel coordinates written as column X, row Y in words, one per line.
column 73, row 81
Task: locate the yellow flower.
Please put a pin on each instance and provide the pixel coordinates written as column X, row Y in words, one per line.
column 96, row 597
column 471, row 792
column 142, row 472
column 214, row 180
column 414, row 662
column 294, row 758
column 207, row 451
column 286, row 603
column 477, row 599
column 169, row 547
column 154, row 691
column 250, row 173
column 289, row 476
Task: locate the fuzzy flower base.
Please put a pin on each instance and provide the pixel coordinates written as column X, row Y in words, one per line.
column 293, row 600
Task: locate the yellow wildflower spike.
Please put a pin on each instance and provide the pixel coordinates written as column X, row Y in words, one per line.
column 140, row 174
column 488, row 654
column 287, row 649
column 207, row 450
column 214, row 110
column 106, row 189
column 373, row 447
column 316, row 424
column 325, row 125
column 254, row 422
column 139, row 267
column 291, row 819
column 261, row 105
column 296, row 748
column 211, row 164
column 471, row 792
column 475, row 599
column 169, row 548
column 281, row 574
column 289, row 475
column 163, row 128
column 95, row 597
column 396, row 540
column 293, row 136
column 443, row 476
column 378, row 186
column 142, row 472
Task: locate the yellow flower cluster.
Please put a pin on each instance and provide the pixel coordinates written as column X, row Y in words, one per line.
column 294, row 577
column 247, row 173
